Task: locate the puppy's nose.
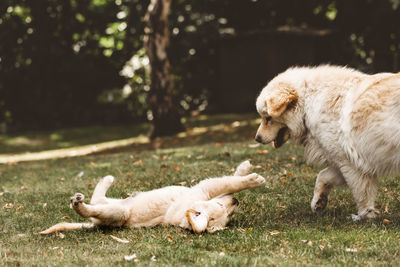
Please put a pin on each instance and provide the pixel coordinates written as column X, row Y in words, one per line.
column 235, row 201
column 258, row 138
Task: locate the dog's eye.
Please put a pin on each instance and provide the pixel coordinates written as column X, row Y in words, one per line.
column 267, row 119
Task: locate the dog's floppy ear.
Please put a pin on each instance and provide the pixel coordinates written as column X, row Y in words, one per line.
column 283, row 97
column 198, row 220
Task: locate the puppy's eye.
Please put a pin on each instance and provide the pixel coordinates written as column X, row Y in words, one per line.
column 267, row 119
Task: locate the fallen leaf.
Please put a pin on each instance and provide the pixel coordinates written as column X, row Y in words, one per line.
column 164, row 165
column 254, row 145
column 119, row 239
column 8, row 205
column 275, row 232
column 153, row 258
column 67, row 218
column 263, row 151
column 138, row 162
column 89, row 186
column 386, row 221
column 80, row 174
column 221, row 254
column 92, row 163
column 169, row 238
column 219, row 143
column 60, row 235
column 386, row 207
column 24, row 187
column 176, row 168
column 20, row 207
column 130, row 257
column 351, row 250
column 182, row 183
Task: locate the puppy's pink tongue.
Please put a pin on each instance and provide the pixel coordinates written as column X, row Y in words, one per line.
column 275, row 144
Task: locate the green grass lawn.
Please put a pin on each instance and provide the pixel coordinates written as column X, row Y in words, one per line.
column 274, row 224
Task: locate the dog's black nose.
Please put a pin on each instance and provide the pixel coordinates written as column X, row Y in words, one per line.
column 235, row 201
column 259, row 138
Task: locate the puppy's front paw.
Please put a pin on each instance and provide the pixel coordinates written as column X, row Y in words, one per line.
column 244, row 168
column 77, row 199
column 254, row 180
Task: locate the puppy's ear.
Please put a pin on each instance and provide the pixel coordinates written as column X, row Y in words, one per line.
column 283, row 98
column 198, row 220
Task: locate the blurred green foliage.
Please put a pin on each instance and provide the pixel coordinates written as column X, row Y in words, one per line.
column 75, row 62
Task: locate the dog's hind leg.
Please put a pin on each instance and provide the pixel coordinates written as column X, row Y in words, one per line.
column 113, row 214
column 99, row 194
column 326, row 179
column 230, row 184
column 364, row 188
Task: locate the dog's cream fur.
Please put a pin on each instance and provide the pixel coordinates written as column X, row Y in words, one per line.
column 346, row 119
column 206, row 205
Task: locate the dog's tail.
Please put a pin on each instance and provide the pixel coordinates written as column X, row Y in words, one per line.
column 65, row 226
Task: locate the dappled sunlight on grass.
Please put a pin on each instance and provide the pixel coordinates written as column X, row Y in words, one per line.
column 198, row 131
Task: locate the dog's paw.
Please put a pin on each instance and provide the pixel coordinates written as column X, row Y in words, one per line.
column 244, row 168
column 108, row 180
column 319, row 202
column 255, row 180
column 77, row 199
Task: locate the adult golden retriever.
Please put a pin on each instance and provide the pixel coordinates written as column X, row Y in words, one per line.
column 347, row 120
column 207, row 205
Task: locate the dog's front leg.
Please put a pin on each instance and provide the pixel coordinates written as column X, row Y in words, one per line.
column 326, row 179
column 364, row 188
column 230, row 184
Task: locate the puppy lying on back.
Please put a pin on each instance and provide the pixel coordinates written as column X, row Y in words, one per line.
column 209, row 204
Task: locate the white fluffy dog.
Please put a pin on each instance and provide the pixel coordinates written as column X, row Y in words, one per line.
column 207, row 205
column 346, row 119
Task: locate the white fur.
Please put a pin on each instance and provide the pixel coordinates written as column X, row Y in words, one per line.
column 207, row 204
column 345, row 119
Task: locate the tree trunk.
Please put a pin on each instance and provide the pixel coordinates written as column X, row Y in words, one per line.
column 166, row 118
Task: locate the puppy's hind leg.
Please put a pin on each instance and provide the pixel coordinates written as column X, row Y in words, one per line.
column 326, row 179
column 113, row 214
column 99, row 193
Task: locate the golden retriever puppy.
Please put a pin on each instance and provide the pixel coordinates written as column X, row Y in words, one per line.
column 207, row 205
column 347, row 120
